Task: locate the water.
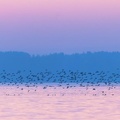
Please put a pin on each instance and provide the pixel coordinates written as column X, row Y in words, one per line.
column 58, row 104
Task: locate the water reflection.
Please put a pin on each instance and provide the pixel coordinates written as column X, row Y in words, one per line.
column 59, row 104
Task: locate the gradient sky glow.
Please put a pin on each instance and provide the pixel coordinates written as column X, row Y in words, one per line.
column 69, row 26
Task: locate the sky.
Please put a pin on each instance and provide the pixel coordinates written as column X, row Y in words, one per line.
column 68, row 26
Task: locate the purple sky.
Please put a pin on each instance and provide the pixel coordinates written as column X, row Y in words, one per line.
column 69, row 26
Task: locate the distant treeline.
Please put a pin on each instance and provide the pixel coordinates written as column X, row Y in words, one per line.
column 84, row 62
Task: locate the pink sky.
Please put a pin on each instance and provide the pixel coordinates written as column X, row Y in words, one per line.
column 46, row 22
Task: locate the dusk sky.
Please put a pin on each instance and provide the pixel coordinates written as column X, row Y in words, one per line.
column 69, row 26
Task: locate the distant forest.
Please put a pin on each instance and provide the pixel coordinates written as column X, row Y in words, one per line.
column 107, row 61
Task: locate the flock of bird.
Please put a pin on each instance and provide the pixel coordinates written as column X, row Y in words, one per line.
column 65, row 79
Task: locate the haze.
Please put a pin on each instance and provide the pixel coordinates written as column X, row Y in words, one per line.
column 68, row 26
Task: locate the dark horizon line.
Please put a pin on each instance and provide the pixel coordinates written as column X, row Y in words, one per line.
column 47, row 54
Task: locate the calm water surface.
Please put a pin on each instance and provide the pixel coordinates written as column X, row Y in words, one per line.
column 59, row 104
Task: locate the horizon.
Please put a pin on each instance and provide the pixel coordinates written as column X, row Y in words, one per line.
column 12, row 61
column 87, row 52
